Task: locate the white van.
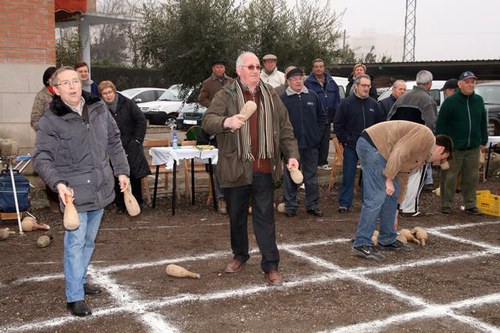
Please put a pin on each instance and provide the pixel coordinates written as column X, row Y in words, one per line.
column 435, row 91
column 342, row 82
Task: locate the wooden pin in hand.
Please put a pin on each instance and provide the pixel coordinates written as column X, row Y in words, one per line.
column 70, row 218
column 131, row 203
column 296, row 175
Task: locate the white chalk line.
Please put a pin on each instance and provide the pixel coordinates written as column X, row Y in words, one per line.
column 123, row 295
column 316, row 279
column 392, row 291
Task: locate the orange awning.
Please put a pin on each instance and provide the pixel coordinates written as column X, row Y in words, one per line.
column 71, row 6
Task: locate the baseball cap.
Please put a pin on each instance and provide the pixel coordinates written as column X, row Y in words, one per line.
column 467, row 75
column 295, row 72
column 450, row 84
column 269, row 57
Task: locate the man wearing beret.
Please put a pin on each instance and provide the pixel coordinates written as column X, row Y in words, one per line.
column 463, row 117
column 308, row 119
column 270, row 73
column 214, row 83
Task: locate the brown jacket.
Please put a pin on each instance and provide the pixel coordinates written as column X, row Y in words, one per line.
column 231, row 170
column 210, row 87
column 405, row 146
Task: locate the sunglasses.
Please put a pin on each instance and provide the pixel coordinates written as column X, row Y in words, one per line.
column 252, row 67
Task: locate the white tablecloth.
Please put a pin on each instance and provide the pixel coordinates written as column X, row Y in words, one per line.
column 167, row 155
column 493, row 140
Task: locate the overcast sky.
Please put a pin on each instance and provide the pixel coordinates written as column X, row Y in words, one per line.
column 445, row 29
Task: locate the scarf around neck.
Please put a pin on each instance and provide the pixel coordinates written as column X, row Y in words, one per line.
column 265, row 126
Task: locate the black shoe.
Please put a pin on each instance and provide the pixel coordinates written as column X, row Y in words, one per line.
column 343, row 209
column 396, row 246
column 473, row 211
column 79, row 308
column 429, row 187
column 316, row 212
column 367, row 252
column 91, row 290
column 291, row 213
column 445, row 210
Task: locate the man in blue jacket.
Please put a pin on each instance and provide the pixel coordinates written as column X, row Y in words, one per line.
column 356, row 112
column 308, row 119
column 323, row 84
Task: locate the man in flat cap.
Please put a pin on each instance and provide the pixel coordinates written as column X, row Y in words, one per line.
column 308, row 119
column 463, row 117
column 270, row 73
column 210, row 86
column 214, row 83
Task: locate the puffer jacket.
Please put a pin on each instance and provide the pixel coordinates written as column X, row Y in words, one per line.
column 70, row 150
column 231, row 170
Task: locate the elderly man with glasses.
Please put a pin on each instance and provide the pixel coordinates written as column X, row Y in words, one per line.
column 250, row 160
column 75, row 142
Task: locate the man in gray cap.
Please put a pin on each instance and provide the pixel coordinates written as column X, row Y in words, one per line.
column 463, row 117
column 270, row 73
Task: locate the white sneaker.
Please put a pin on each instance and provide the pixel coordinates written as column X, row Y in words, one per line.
column 302, row 187
column 325, row 167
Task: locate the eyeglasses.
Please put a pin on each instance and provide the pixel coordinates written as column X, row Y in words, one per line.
column 252, row 67
column 296, row 78
column 67, row 83
column 364, row 85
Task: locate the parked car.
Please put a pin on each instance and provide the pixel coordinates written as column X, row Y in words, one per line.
column 140, row 95
column 342, row 83
column 191, row 114
column 165, row 110
column 435, row 92
column 490, row 92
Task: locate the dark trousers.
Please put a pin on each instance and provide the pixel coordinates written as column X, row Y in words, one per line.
column 261, row 193
column 136, row 192
column 324, row 146
column 308, row 164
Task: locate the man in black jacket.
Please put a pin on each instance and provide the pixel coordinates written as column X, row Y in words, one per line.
column 308, row 119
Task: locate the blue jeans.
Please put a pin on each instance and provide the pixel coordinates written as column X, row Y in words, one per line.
column 348, row 177
column 78, row 249
column 308, row 163
column 261, row 192
column 377, row 205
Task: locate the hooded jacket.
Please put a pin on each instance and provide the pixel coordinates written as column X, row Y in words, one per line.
column 72, row 150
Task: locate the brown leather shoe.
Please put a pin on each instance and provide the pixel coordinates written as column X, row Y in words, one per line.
column 234, row 266
column 274, row 278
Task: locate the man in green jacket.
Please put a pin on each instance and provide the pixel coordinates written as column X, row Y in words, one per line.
column 250, row 155
column 463, row 117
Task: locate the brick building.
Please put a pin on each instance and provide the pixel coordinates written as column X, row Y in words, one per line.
column 27, row 48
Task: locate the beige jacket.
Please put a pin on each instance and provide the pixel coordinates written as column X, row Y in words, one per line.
column 405, row 146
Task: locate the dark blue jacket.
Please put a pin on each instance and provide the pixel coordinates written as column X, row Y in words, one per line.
column 329, row 96
column 353, row 116
column 307, row 116
column 386, row 104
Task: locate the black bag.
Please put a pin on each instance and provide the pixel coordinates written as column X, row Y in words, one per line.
column 7, row 202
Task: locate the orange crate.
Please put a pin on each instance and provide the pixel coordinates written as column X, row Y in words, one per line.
column 488, row 203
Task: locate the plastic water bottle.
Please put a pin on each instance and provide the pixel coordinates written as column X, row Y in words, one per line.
column 174, row 139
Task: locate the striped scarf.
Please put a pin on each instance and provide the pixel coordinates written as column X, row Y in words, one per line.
column 265, row 128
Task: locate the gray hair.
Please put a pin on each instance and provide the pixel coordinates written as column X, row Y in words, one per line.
column 423, row 77
column 239, row 60
column 53, row 79
column 362, row 76
column 395, row 84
